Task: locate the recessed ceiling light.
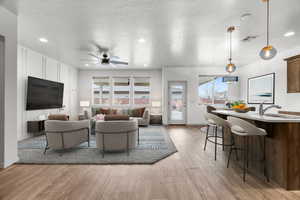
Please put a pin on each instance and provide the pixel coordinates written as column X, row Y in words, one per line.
column 142, row 40
column 289, row 34
column 43, row 40
column 145, row 65
column 87, row 65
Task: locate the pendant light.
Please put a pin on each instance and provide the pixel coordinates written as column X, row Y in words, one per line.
column 230, row 68
column 268, row 52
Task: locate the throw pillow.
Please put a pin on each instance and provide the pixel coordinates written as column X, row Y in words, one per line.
column 113, row 111
column 99, row 117
column 119, row 112
column 138, row 112
column 116, row 117
column 104, row 111
column 59, row 117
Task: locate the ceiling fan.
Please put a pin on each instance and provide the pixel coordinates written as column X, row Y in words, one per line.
column 105, row 57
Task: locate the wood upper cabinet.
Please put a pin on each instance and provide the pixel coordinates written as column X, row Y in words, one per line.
column 293, row 74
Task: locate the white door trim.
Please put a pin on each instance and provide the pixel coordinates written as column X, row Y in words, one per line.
column 2, row 96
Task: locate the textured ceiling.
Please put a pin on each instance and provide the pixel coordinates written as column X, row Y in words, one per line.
column 176, row 32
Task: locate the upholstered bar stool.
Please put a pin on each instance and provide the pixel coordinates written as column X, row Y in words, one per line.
column 246, row 130
column 216, row 122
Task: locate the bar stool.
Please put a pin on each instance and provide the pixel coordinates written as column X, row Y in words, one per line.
column 215, row 122
column 245, row 130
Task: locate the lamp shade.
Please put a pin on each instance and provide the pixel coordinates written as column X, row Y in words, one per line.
column 230, row 68
column 84, row 103
column 156, row 104
column 268, row 52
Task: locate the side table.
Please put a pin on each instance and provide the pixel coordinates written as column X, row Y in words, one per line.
column 156, row 119
column 36, row 127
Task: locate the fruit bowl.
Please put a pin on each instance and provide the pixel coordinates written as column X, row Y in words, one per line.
column 240, row 107
column 239, row 110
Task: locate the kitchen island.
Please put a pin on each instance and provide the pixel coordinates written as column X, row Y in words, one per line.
column 282, row 146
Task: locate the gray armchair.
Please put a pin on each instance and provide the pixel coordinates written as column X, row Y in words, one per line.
column 117, row 135
column 66, row 134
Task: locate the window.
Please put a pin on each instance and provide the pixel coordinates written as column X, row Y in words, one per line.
column 101, row 90
column 141, row 91
column 220, row 91
column 205, row 92
column 121, row 90
column 212, row 90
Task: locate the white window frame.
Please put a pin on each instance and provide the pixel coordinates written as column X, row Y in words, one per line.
column 110, row 94
column 113, row 91
column 133, row 92
column 213, row 92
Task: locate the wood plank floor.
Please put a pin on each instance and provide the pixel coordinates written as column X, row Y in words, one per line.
column 189, row 174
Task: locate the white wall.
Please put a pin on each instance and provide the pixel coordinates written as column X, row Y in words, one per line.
column 290, row 102
column 8, row 134
column 86, row 77
column 191, row 76
column 31, row 63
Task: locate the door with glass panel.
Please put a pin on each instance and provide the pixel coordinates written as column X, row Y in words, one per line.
column 177, row 102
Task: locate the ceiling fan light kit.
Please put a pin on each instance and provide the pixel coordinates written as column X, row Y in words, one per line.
column 105, row 57
column 230, row 68
column 268, row 52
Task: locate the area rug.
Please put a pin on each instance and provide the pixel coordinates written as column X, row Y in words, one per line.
column 155, row 144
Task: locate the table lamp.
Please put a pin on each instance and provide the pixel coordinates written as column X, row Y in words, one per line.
column 156, row 105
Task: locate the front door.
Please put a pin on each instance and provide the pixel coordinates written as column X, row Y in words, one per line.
column 177, row 102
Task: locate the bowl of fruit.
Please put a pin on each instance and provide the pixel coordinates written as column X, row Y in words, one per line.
column 240, row 107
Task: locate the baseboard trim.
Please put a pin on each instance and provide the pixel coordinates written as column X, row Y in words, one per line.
column 9, row 163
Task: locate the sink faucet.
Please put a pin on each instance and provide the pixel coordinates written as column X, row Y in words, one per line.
column 262, row 110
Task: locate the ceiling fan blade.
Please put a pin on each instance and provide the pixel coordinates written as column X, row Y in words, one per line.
column 100, row 48
column 114, row 57
column 119, row 62
column 91, row 54
column 86, row 59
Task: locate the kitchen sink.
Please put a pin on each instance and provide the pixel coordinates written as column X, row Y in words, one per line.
column 282, row 116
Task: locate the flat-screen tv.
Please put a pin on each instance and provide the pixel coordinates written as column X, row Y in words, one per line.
column 44, row 94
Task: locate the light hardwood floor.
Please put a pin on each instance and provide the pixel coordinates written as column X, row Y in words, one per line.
column 189, row 174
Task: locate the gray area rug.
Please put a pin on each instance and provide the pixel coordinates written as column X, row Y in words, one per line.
column 155, row 144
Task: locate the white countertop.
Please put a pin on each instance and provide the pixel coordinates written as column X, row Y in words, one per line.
column 255, row 116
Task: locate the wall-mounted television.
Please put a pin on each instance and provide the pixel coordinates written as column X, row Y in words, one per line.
column 44, row 94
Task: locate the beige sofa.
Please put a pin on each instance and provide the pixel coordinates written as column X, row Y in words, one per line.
column 144, row 120
column 116, row 135
column 66, row 134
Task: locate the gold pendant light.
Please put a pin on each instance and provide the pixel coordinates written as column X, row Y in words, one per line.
column 268, row 52
column 230, row 68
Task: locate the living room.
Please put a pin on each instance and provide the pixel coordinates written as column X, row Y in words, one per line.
column 149, row 100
